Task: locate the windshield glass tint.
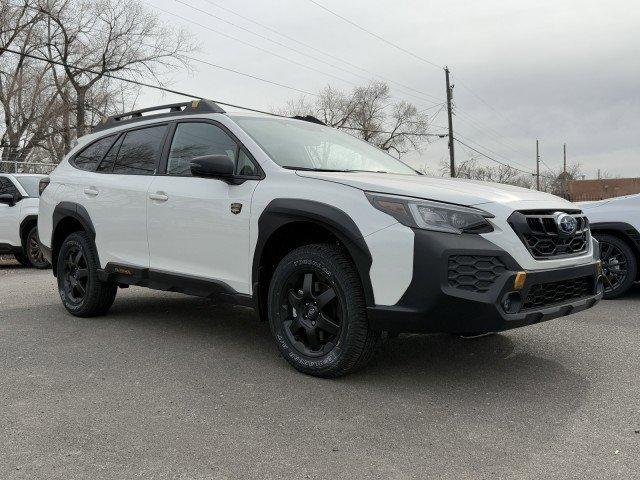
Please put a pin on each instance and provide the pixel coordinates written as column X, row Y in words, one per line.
column 299, row 144
column 30, row 184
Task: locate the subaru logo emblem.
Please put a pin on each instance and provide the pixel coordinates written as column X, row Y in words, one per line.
column 566, row 224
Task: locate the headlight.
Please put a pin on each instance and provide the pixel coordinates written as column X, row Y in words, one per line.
column 429, row 215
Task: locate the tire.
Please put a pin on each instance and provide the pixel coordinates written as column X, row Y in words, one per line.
column 317, row 312
column 33, row 252
column 81, row 291
column 618, row 264
column 22, row 259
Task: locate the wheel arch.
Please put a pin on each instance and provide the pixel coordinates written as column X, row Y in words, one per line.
column 311, row 222
column 625, row 232
column 68, row 217
column 26, row 225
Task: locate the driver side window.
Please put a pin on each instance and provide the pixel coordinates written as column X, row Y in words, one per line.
column 195, row 139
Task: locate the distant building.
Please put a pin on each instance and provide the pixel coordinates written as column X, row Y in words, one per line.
column 582, row 190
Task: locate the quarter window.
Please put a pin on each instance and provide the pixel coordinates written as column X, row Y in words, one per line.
column 140, row 151
column 8, row 188
column 195, row 139
column 89, row 158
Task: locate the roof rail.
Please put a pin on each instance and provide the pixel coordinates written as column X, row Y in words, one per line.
column 309, row 118
column 185, row 108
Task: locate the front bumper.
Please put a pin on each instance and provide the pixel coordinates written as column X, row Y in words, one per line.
column 438, row 300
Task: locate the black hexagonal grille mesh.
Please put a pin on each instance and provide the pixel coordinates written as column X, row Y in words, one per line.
column 475, row 273
column 545, row 294
column 540, row 234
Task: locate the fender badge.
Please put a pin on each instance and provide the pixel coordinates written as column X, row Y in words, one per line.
column 236, row 208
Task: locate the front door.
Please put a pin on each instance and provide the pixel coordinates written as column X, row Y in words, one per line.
column 199, row 227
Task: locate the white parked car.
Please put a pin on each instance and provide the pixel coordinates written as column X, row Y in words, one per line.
column 332, row 240
column 19, row 218
column 615, row 222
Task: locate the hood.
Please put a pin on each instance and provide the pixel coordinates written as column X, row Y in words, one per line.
column 451, row 190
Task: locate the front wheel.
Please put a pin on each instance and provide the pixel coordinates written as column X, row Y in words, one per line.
column 317, row 312
column 81, row 291
column 618, row 265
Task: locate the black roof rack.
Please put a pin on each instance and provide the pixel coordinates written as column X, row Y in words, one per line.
column 186, row 108
column 309, row 118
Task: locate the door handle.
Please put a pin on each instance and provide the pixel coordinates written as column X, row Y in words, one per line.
column 91, row 191
column 159, row 197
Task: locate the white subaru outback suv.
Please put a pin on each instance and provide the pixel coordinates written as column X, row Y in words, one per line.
column 19, row 218
column 332, row 240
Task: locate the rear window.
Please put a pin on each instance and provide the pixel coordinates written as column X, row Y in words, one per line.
column 89, row 158
column 140, row 151
column 30, row 184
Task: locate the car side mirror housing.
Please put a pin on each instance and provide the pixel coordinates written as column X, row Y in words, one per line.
column 8, row 199
column 213, row 166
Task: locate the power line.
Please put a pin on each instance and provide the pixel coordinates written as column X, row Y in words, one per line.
column 211, row 64
column 497, row 161
column 334, row 57
column 289, row 47
column 129, row 80
column 382, row 39
column 190, row 95
column 497, row 154
column 295, row 62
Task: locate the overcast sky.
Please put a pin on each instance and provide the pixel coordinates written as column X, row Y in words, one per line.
column 561, row 71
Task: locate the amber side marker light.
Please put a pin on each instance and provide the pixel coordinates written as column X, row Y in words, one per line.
column 518, row 283
column 599, row 267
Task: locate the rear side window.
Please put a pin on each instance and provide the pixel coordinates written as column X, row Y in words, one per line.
column 7, row 187
column 89, row 158
column 140, row 151
column 195, row 139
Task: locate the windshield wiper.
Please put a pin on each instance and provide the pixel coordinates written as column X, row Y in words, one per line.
column 309, row 169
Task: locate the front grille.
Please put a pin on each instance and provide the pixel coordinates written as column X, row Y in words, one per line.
column 540, row 234
column 474, row 273
column 546, row 294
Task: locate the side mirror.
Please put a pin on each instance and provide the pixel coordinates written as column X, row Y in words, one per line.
column 213, row 166
column 7, row 199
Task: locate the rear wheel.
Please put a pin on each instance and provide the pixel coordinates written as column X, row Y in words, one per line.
column 317, row 312
column 34, row 252
column 618, row 265
column 81, row 291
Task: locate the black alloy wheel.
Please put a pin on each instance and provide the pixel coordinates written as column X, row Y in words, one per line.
column 618, row 265
column 313, row 313
column 75, row 275
column 317, row 312
column 82, row 292
column 34, row 252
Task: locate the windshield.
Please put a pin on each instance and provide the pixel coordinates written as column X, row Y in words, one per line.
column 298, row 144
column 30, row 184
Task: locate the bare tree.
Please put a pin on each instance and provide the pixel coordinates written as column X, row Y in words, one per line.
column 367, row 112
column 27, row 94
column 93, row 39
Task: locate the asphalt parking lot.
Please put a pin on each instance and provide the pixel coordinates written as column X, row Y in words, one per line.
column 168, row 386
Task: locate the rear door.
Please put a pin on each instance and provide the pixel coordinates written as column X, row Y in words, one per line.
column 9, row 216
column 115, row 195
column 199, row 227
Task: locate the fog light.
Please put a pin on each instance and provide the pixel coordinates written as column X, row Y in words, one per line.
column 512, row 302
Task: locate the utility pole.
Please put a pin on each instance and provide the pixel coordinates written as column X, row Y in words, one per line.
column 537, row 165
column 565, row 159
column 452, row 161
